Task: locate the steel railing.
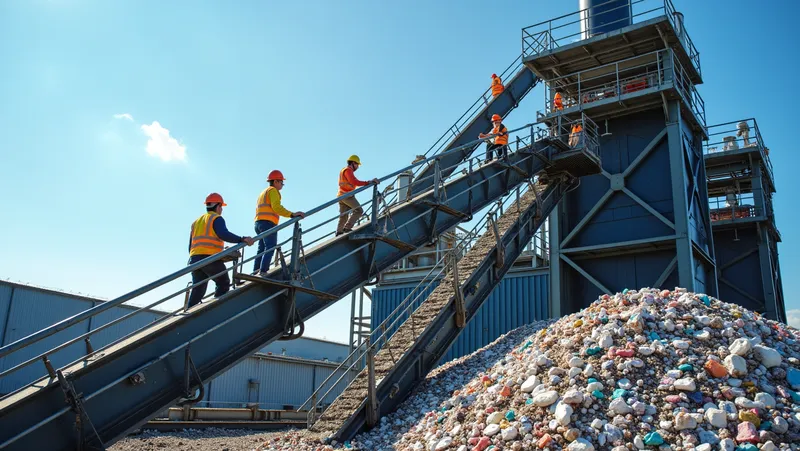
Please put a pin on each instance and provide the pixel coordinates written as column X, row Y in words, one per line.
column 460, row 124
column 736, row 135
column 293, row 249
column 383, row 331
column 622, row 79
column 426, row 259
column 573, row 27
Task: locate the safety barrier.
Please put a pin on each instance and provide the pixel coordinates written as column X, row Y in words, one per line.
column 735, row 135
column 569, row 28
column 623, row 79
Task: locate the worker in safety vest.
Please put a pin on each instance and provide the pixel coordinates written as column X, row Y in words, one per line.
column 349, row 208
column 268, row 212
column 497, row 86
column 558, row 101
column 207, row 237
column 575, row 134
column 499, row 142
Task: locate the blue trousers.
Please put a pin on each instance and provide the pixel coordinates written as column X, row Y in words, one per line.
column 263, row 260
column 222, row 281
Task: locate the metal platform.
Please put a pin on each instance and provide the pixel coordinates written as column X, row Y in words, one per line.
column 625, row 87
column 550, row 51
column 578, row 162
column 730, row 155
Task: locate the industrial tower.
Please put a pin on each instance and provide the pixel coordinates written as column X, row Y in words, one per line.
column 644, row 221
column 740, row 188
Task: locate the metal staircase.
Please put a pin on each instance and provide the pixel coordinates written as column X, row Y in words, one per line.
column 419, row 343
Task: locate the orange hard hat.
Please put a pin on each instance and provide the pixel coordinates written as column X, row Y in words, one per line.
column 494, row 75
column 215, row 198
column 496, row 117
column 275, row 175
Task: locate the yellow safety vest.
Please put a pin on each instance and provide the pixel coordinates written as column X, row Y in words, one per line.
column 264, row 211
column 204, row 240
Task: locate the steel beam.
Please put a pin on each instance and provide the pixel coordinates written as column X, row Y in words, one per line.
column 227, row 330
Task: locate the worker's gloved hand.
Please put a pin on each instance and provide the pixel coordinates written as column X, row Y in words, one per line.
column 374, row 181
column 247, row 240
column 298, row 214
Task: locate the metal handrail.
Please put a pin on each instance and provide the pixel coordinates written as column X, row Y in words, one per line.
column 372, row 345
column 460, row 123
column 717, row 143
column 553, row 33
column 625, row 77
column 408, row 302
column 75, row 319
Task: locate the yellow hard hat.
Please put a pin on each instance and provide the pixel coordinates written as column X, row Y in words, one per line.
column 354, row 159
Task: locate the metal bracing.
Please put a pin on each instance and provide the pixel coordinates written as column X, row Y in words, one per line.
column 684, row 231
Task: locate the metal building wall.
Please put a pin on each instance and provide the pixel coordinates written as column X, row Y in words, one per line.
column 521, row 298
column 274, row 382
column 309, row 348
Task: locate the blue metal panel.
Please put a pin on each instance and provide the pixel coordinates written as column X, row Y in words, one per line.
column 740, row 268
column 519, row 299
column 31, row 310
column 6, row 292
column 603, row 16
column 309, row 348
column 281, row 382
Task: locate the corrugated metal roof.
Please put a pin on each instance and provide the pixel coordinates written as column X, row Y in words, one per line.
column 519, row 299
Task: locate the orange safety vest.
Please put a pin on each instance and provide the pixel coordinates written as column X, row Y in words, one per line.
column 204, row 240
column 577, row 128
column 344, row 185
column 264, row 211
column 503, row 139
column 557, row 102
column 497, row 86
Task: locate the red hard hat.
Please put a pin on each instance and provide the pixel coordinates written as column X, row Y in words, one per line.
column 275, row 175
column 496, row 117
column 494, row 75
column 215, row 198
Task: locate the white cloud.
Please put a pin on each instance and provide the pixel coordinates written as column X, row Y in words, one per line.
column 125, row 116
column 160, row 144
column 793, row 317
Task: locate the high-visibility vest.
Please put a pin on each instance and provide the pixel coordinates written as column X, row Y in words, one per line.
column 344, row 185
column 497, row 86
column 204, row 240
column 500, row 140
column 264, row 210
column 557, row 102
column 577, row 128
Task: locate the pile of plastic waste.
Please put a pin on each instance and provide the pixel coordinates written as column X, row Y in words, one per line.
column 643, row 369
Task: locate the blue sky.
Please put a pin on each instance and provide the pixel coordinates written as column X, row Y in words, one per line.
column 216, row 94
